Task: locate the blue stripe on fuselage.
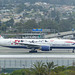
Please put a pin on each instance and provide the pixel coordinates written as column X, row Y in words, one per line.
column 15, row 46
column 37, row 47
column 63, row 47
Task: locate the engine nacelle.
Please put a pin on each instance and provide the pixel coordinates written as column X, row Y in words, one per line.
column 45, row 48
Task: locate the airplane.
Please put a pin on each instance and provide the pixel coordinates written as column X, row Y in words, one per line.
column 42, row 44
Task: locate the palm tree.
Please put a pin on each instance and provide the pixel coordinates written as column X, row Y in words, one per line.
column 39, row 68
column 49, row 66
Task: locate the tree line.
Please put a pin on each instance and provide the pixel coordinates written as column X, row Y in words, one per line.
column 47, row 68
column 57, row 24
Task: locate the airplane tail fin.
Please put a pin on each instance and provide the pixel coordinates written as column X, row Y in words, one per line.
column 1, row 37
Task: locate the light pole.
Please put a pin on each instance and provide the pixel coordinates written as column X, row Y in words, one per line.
column 23, row 73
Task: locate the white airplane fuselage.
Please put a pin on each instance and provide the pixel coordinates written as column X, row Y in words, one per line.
column 45, row 44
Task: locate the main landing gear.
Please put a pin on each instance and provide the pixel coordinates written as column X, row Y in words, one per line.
column 73, row 51
column 33, row 50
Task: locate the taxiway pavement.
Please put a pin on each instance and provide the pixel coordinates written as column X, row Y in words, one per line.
column 20, row 51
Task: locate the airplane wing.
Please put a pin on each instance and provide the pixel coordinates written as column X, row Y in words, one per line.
column 29, row 44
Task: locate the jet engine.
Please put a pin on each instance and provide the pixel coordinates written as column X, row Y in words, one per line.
column 45, row 48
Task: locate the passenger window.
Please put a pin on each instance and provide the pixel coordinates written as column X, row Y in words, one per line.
column 22, row 41
column 46, row 41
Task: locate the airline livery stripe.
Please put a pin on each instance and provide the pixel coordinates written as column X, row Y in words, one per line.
column 69, row 42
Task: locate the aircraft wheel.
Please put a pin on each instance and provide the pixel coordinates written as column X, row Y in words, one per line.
column 73, row 51
column 33, row 51
column 50, row 49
